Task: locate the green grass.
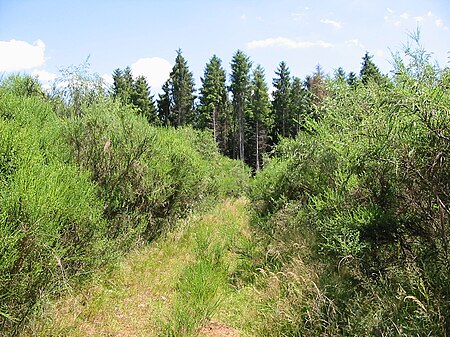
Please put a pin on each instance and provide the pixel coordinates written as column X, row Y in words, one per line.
column 172, row 287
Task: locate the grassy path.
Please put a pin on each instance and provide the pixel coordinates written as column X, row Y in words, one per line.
column 183, row 284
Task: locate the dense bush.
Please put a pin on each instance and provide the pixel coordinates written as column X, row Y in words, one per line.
column 82, row 181
column 370, row 182
column 51, row 221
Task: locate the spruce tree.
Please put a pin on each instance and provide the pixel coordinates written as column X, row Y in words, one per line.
column 369, row 71
column 182, row 91
column 163, row 103
column 316, row 86
column 123, row 85
column 214, row 104
column 339, row 75
column 280, row 103
column 240, row 89
column 352, row 79
column 299, row 105
column 260, row 117
column 142, row 99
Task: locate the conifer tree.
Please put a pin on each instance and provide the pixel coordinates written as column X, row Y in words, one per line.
column 260, row 117
column 122, row 85
column 339, row 74
column 214, row 104
column 240, row 89
column 280, row 103
column 299, row 105
column 316, row 86
column 369, row 71
column 352, row 79
column 142, row 99
column 163, row 103
column 182, row 91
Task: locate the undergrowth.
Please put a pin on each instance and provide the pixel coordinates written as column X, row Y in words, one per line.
column 367, row 183
column 82, row 180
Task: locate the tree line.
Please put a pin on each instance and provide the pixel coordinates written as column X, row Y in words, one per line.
column 245, row 119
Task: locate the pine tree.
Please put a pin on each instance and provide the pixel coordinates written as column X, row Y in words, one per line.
column 142, row 99
column 214, row 104
column 123, row 85
column 280, row 103
column 182, row 91
column 352, row 79
column 369, row 71
column 240, row 89
column 299, row 105
column 260, row 117
column 339, row 75
column 163, row 103
column 316, row 86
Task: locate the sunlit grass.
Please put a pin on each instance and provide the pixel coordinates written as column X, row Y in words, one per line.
column 172, row 287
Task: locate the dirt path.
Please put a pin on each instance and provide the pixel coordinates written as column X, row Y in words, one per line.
column 216, row 329
column 176, row 286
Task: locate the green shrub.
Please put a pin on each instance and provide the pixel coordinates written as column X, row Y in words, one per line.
column 370, row 181
column 51, row 226
column 83, row 179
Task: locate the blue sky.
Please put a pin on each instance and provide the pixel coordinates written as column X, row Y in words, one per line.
column 41, row 37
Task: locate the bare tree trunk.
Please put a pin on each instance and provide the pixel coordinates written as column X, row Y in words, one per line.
column 214, row 124
column 257, row 146
column 241, row 133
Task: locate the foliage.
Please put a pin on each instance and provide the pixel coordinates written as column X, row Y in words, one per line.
column 260, row 121
column 240, row 89
column 50, row 219
column 214, row 108
column 182, row 92
column 82, row 179
column 369, row 182
column 281, row 101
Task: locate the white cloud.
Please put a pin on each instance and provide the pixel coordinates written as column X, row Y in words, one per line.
column 335, row 24
column 107, row 79
column 297, row 16
column 44, row 75
column 380, row 53
column 155, row 69
column 285, row 42
column 20, row 55
column 407, row 20
column 355, row 43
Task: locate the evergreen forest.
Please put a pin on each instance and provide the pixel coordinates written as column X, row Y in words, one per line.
column 320, row 207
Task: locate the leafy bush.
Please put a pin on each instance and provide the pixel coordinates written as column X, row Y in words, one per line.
column 51, row 225
column 370, row 181
column 82, row 179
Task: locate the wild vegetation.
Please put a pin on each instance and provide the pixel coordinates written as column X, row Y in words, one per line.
column 349, row 201
column 357, row 209
column 83, row 179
